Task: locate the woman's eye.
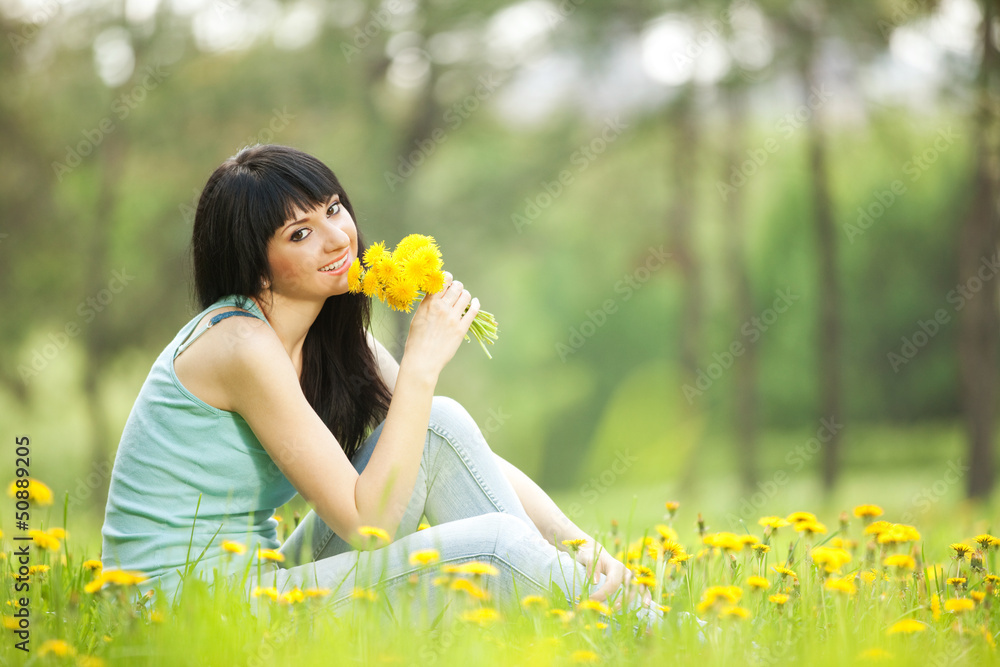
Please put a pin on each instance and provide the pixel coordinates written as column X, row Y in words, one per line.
column 295, row 235
column 330, row 210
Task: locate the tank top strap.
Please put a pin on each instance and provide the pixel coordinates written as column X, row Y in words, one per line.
column 254, row 311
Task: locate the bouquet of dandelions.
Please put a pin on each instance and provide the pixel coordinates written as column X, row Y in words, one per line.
column 404, row 275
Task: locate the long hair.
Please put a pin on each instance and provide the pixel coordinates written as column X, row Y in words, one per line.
column 246, row 199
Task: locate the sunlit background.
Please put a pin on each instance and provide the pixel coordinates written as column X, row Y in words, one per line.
column 743, row 255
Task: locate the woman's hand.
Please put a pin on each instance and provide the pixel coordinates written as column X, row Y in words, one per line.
column 439, row 326
column 598, row 561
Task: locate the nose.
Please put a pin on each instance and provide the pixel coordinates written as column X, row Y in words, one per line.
column 336, row 236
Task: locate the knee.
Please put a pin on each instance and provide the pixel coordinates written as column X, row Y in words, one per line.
column 506, row 529
column 452, row 421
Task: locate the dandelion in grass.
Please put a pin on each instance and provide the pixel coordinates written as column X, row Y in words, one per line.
column 679, row 559
column 38, row 569
column 810, row 528
column 907, row 626
column 962, row 551
column 898, row 533
column 800, row 517
column 985, row 541
column 758, row 583
column 472, row 567
column 978, row 596
column 738, row 613
column 761, row 550
column 593, row 605
column 724, row 540
column 902, row 563
column 534, row 602
column 935, row 606
column 293, row 596
column 270, row 554
column 877, row 527
column 115, row 578
column 783, row 571
column 843, row 543
column 779, row 599
column 231, row 547
column 957, row 582
column 469, row 588
column 749, row 540
column 424, row 557
column 672, row 506
column 483, row 616
column 574, row 545
column 561, row 614
column 266, row 592
column 30, row 489
column 875, row 655
column 400, row 277
column 364, row 594
column 715, row 596
column 868, row 512
column 992, row 579
column 316, row 592
column 772, row 523
column 830, row 558
column 843, row 585
column 583, row 657
column 959, row 606
column 374, row 534
column 44, row 540
column 56, row 647
column 92, row 564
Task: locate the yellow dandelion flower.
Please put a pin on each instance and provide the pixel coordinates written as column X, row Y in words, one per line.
column 749, row 540
column 90, row 661
column 784, row 571
column 466, row 586
column 354, row 276
column 574, row 544
column 978, row 596
column 959, row 605
column 373, row 531
column 266, row 592
column 961, row 550
column 92, row 564
column 369, row 284
column 44, row 540
column 935, row 607
column 472, row 567
column 758, row 583
column 988, row 636
column 724, row 540
column 482, row 616
column 593, row 605
column 561, row 614
column 898, row 533
column 641, row 570
column 877, row 527
column 374, row 254
column 798, row 517
column 270, row 554
column 58, row 533
column 672, row 506
column 292, row 597
column 115, row 577
column 647, row 581
column 778, row 598
column 907, row 626
column 841, row 585
column 234, row 547
column 843, row 543
column 874, row 654
column 316, row 592
column 33, row 569
column 56, row 647
column 156, row 616
column 956, row 581
column 667, row 534
column 900, row 562
column 424, row 557
column 714, row 594
column 400, row 294
column 531, row 601
column 10, row 622
column 868, row 511
column 811, row 527
column 734, row 612
column 772, row 522
column 992, row 579
column 37, row 492
column 761, row 549
column 409, row 245
column 679, row 559
column 583, row 656
column 985, row 541
column 364, row 594
column 672, row 549
column 831, row 558
column 868, row 576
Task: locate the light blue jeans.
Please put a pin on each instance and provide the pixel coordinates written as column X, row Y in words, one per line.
column 475, row 515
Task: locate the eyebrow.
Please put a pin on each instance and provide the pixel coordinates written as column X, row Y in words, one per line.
column 303, row 220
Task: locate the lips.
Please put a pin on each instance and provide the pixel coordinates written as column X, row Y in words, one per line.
column 334, row 267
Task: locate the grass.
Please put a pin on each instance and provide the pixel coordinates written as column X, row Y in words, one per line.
column 841, row 617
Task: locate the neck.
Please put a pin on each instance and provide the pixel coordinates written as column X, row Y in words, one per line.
column 291, row 320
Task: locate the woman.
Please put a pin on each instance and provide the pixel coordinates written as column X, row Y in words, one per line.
column 274, row 389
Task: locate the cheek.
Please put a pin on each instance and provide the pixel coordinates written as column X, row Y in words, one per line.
column 283, row 267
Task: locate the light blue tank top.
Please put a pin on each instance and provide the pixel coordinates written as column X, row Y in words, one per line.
column 175, row 448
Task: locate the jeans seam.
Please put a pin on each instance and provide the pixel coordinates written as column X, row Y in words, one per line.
column 463, row 455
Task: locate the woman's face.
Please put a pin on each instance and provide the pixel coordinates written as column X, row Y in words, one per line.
column 308, row 243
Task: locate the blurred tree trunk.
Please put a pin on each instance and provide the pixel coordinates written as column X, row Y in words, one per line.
column 829, row 284
column 979, row 319
column 745, row 366
column 679, row 225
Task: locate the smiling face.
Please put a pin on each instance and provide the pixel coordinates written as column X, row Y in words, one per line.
column 309, row 242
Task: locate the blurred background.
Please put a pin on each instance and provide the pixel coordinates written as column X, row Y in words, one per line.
column 743, row 255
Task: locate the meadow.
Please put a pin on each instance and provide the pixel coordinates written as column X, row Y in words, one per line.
column 804, row 579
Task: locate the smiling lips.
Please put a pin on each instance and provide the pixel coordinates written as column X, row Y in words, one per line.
column 336, row 267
